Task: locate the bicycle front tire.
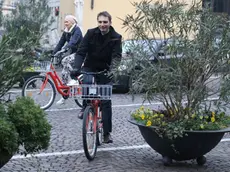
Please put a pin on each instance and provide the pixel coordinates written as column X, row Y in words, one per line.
column 31, row 82
column 89, row 121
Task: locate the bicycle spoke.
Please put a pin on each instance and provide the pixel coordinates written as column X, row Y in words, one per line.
column 89, row 134
column 32, row 89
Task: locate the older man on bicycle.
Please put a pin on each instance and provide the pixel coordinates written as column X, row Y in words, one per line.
column 100, row 50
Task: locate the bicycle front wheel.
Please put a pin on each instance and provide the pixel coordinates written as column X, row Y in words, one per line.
column 89, row 133
column 32, row 88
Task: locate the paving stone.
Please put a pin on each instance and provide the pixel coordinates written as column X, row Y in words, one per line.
column 66, row 136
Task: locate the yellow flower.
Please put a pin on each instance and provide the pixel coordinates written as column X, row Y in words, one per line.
column 213, row 114
column 162, row 115
column 149, row 123
column 143, row 116
column 201, row 126
column 213, row 119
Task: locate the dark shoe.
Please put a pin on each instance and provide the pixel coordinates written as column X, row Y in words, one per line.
column 80, row 115
column 107, row 139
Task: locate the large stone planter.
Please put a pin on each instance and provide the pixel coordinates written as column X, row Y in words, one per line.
column 193, row 146
column 4, row 158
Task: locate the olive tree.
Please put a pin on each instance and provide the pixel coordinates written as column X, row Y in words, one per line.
column 194, row 49
column 23, row 29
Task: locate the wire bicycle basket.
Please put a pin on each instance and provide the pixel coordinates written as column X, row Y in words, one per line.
column 91, row 92
column 41, row 66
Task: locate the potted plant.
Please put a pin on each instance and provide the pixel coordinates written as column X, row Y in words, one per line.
column 23, row 125
column 184, row 64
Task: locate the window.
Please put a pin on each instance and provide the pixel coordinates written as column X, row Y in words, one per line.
column 219, row 6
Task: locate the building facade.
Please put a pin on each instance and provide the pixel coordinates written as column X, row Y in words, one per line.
column 86, row 12
column 219, row 6
column 8, row 6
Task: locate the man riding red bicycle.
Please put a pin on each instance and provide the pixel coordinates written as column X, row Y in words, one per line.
column 100, row 50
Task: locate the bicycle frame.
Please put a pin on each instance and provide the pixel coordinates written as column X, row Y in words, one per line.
column 95, row 105
column 61, row 88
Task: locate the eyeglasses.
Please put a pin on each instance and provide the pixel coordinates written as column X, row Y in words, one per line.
column 105, row 22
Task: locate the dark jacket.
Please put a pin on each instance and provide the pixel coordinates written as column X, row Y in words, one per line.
column 72, row 38
column 99, row 52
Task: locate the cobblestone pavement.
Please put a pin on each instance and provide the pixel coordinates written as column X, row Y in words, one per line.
column 121, row 161
column 129, row 152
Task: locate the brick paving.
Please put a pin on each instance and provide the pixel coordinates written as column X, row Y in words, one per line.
column 66, row 136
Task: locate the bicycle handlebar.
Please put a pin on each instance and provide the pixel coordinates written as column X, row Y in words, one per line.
column 105, row 72
column 60, row 52
column 76, row 72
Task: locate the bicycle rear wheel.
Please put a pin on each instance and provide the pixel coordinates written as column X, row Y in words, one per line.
column 78, row 103
column 31, row 88
column 89, row 133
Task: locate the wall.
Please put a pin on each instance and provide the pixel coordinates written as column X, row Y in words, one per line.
column 66, row 7
column 54, row 4
column 117, row 8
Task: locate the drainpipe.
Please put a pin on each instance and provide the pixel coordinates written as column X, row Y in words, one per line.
column 92, row 4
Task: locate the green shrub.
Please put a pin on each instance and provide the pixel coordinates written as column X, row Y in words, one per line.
column 8, row 134
column 31, row 124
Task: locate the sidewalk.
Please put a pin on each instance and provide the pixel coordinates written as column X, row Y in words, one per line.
column 129, row 152
column 133, row 160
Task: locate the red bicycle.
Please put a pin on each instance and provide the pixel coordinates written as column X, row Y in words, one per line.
column 92, row 128
column 42, row 86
